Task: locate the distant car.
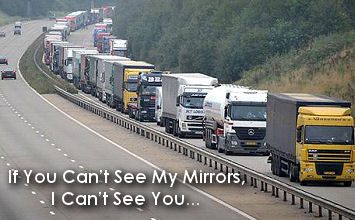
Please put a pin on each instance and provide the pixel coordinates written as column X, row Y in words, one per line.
column 2, row 34
column 9, row 73
column 3, row 60
column 17, row 32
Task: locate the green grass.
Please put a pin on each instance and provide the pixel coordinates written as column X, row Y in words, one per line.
column 38, row 80
column 327, row 66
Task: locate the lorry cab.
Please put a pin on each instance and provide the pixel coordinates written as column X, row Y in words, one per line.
column 311, row 138
column 325, row 143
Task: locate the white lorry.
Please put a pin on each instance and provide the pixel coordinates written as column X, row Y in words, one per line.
column 68, row 61
column 235, row 120
column 100, row 72
column 118, row 47
column 183, row 95
column 77, row 64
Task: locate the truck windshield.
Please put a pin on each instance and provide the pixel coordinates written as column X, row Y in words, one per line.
column 248, row 112
column 148, row 90
column 131, row 87
column 193, row 102
column 329, row 135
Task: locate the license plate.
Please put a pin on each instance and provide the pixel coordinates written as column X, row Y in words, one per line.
column 329, row 172
column 251, row 143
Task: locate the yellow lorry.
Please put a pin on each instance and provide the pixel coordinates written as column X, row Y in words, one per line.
column 122, row 87
column 311, row 138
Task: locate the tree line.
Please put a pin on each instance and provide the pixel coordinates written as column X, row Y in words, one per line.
column 225, row 37
column 34, row 8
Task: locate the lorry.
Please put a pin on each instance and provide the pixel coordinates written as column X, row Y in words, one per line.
column 67, row 65
column 310, row 137
column 18, row 27
column 235, row 120
column 100, row 75
column 118, row 47
column 77, row 57
column 54, row 56
column 158, row 105
column 105, row 47
column 144, row 108
column 183, row 95
column 122, row 86
column 99, row 41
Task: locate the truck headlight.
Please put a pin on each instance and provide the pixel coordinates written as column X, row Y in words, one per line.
column 235, row 143
column 189, row 117
column 308, row 169
column 350, row 170
column 144, row 112
column 184, row 126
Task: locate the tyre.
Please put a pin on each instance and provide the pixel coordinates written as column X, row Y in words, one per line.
column 303, row 183
column 273, row 169
column 180, row 134
column 347, row 183
column 293, row 172
column 220, row 150
column 227, row 152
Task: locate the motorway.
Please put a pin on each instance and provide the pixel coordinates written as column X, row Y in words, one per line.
column 334, row 192
column 35, row 135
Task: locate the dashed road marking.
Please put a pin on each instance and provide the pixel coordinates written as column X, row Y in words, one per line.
column 42, row 135
column 25, row 184
column 2, row 157
column 37, row 132
column 52, row 213
column 42, row 202
column 7, row 164
column 65, row 155
column 139, row 209
column 73, row 161
column 112, row 189
column 81, row 167
column 52, row 144
column 33, row 193
column 47, row 140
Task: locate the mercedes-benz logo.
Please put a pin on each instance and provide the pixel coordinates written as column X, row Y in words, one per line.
column 251, row 132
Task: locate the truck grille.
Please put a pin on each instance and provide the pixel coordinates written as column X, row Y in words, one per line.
column 250, row 133
column 329, row 155
column 329, row 169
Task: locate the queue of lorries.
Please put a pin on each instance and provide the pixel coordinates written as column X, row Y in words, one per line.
column 308, row 137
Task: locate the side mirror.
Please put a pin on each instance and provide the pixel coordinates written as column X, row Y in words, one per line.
column 299, row 135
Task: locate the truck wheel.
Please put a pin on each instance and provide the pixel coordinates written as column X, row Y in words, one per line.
column 175, row 127
column 303, row 183
column 347, row 183
column 293, row 172
column 161, row 124
column 180, row 134
column 122, row 108
column 220, row 150
column 273, row 169
column 227, row 152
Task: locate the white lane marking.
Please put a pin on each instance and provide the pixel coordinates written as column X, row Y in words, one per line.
column 42, row 135
column 65, row 155
column 33, row 127
column 42, row 202
column 19, row 115
column 139, row 209
column 134, row 155
column 7, row 164
column 52, row 213
column 2, row 157
column 37, row 132
column 112, row 189
column 73, row 161
column 16, row 112
column 52, row 144
column 29, row 124
column 152, row 218
column 58, row 149
column 25, row 121
column 47, row 140
column 34, row 193
column 22, row 118
column 25, row 184
column 81, row 167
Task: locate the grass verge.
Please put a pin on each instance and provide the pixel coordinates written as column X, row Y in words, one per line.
column 5, row 19
column 35, row 77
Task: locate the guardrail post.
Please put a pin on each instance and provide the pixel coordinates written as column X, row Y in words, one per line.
column 266, row 188
column 330, row 214
column 340, row 217
column 310, row 208
column 301, row 203
column 320, row 213
column 273, row 190
column 221, row 167
column 210, row 162
column 277, row 193
column 262, row 186
column 292, row 199
column 285, row 196
column 255, row 183
column 251, row 181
